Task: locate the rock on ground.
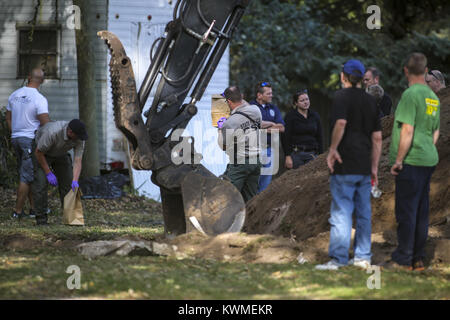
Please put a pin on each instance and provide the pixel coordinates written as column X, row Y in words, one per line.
column 124, row 248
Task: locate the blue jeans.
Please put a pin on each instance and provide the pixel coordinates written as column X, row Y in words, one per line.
column 264, row 180
column 350, row 193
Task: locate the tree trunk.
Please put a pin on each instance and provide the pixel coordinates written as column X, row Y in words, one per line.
column 87, row 99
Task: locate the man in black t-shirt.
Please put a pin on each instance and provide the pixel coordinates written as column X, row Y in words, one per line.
column 353, row 160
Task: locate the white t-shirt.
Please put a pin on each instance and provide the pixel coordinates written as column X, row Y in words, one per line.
column 25, row 105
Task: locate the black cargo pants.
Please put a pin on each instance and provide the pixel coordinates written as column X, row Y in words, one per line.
column 62, row 168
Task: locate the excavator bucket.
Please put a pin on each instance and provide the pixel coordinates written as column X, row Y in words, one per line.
column 211, row 205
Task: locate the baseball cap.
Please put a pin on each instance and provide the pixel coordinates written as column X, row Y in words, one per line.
column 354, row 67
column 79, row 129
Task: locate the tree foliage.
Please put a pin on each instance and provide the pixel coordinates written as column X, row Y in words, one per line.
column 303, row 44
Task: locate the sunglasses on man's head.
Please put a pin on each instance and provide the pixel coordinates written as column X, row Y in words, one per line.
column 223, row 95
column 433, row 75
column 302, row 91
column 265, row 84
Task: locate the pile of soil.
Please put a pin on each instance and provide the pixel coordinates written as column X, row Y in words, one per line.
column 296, row 205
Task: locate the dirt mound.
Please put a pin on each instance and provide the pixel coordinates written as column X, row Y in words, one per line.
column 297, row 203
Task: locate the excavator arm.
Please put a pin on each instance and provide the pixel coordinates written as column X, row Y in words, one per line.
column 184, row 61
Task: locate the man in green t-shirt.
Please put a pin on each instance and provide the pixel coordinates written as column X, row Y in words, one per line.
column 413, row 156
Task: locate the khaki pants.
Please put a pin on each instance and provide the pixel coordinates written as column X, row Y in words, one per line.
column 62, row 168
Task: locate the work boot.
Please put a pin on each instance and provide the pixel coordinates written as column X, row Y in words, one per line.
column 394, row 266
column 418, row 266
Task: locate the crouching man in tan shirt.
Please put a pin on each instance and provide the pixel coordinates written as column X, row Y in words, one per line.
column 54, row 163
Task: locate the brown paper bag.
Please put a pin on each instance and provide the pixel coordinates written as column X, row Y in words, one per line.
column 219, row 108
column 73, row 209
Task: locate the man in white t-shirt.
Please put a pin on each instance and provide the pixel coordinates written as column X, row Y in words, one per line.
column 27, row 109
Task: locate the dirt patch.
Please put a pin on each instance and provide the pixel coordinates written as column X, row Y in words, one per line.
column 19, row 242
column 237, row 247
column 439, row 252
column 297, row 203
column 22, row 242
column 315, row 249
column 231, row 247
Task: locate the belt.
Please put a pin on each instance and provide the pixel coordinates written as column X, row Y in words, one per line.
column 296, row 148
column 246, row 159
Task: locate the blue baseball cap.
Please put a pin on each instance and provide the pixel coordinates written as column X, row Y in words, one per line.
column 354, row 67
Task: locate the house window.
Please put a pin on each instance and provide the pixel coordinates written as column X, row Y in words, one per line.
column 41, row 51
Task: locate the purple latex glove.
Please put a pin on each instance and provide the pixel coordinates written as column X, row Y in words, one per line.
column 51, row 178
column 74, row 185
column 221, row 122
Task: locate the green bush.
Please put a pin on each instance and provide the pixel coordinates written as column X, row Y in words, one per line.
column 8, row 163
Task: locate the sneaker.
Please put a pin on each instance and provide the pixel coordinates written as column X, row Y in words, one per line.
column 32, row 214
column 360, row 263
column 330, row 265
column 418, row 266
column 392, row 265
column 18, row 216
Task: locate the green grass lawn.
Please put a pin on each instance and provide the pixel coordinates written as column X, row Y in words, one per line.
column 39, row 270
column 41, row 273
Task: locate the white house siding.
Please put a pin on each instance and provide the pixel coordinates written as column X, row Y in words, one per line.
column 137, row 34
column 62, row 94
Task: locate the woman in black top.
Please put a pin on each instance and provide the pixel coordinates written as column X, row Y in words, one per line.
column 303, row 139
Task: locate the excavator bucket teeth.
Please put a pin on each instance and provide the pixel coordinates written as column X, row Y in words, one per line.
column 211, row 205
column 127, row 113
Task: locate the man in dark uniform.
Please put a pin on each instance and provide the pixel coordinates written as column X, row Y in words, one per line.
column 273, row 122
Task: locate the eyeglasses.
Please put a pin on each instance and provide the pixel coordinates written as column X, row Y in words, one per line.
column 265, row 84
column 302, row 92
